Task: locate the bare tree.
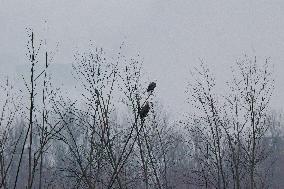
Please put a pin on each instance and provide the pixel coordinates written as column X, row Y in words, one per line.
column 233, row 126
column 8, row 140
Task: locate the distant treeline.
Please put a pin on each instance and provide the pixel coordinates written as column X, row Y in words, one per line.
column 118, row 135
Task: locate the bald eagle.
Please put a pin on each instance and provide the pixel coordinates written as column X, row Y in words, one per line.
column 151, row 87
column 144, row 110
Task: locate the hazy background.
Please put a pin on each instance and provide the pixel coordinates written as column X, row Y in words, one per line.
column 170, row 35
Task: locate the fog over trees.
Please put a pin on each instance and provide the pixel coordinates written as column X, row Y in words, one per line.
column 118, row 134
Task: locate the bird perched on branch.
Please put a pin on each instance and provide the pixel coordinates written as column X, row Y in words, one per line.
column 151, row 87
column 144, row 110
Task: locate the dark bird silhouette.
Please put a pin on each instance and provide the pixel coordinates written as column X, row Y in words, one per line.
column 144, row 110
column 151, row 87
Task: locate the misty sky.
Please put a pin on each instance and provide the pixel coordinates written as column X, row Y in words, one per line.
column 171, row 35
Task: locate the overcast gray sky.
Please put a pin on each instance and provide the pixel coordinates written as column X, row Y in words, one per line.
column 171, row 35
